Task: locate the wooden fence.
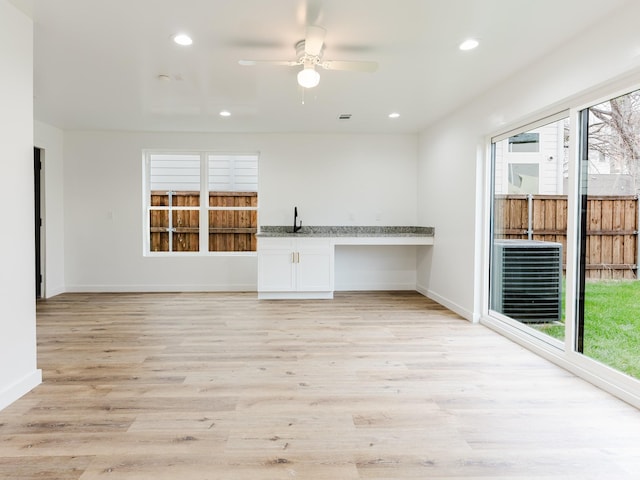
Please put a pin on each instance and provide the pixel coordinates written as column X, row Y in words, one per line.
column 612, row 229
column 178, row 229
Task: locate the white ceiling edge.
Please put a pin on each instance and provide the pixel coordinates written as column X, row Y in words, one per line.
column 25, row 6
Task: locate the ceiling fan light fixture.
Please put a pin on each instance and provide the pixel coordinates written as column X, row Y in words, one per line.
column 308, row 77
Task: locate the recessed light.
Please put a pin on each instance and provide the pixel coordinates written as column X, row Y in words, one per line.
column 225, row 113
column 182, row 39
column 394, row 115
column 469, row 44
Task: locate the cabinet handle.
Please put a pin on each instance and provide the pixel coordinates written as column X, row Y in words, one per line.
column 293, row 257
column 298, row 257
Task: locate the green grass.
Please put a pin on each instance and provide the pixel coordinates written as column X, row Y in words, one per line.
column 611, row 326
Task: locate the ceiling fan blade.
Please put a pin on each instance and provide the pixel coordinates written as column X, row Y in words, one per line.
column 353, row 66
column 313, row 40
column 251, row 63
column 311, row 12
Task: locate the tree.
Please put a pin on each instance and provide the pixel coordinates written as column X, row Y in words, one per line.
column 614, row 132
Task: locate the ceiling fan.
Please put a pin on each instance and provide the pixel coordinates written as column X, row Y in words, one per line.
column 309, row 53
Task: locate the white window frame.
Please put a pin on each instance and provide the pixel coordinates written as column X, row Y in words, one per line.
column 204, row 208
column 488, row 316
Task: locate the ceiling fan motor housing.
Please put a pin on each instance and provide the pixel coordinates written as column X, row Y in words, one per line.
column 304, row 58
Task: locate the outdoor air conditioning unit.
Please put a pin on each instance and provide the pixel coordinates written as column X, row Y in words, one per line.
column 526, row 280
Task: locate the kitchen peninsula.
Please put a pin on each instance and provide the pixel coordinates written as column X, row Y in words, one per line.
column 301, row 264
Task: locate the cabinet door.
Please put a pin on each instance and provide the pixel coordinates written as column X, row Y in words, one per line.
column 315, row 265
column 276, row 266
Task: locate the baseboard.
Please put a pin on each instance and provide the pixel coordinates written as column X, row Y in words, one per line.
column 217, row 288
column 295, row 295
column 159, row 288
column 445, row 302
column 20, row 388
column 368, row 287
column 52, row 292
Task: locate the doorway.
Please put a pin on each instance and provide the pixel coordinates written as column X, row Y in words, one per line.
column 37, row 171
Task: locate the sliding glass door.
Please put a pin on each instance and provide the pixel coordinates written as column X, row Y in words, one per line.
column 529, row 228
column 608, row 302
column 564, row 238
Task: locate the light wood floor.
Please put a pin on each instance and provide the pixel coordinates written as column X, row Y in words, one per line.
column 367, row 386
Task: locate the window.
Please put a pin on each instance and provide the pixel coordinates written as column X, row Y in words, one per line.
column 525, row 142
column 200, row 202
column 174, row 208
column 523, row 177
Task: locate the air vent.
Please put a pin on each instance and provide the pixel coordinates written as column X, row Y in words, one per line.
column 526, row 280
column 344, row 116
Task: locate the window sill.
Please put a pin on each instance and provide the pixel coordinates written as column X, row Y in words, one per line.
column 198, row 254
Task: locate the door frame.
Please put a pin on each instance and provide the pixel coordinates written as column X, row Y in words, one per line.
column 38, row 155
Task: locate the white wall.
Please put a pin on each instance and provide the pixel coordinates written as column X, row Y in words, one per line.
column 452, row 152
column 50, row 140
column 333, row 179
column 381, row 267
column 18, row 372
column 446, row 200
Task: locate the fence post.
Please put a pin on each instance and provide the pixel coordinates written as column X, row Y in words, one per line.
column 530, row 216
column 170, row 229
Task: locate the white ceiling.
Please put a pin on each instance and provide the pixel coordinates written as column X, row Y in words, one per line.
column 97, row 61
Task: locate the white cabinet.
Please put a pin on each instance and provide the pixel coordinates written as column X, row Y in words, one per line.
column 276, row 265
column 295, row 267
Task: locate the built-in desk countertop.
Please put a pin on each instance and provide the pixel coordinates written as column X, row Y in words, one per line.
column 301, row 264
column 349, row 235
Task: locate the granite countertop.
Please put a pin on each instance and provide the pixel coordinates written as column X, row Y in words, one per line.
column 344, row 231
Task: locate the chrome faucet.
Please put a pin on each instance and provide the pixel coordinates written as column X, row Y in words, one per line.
column 296, row 226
